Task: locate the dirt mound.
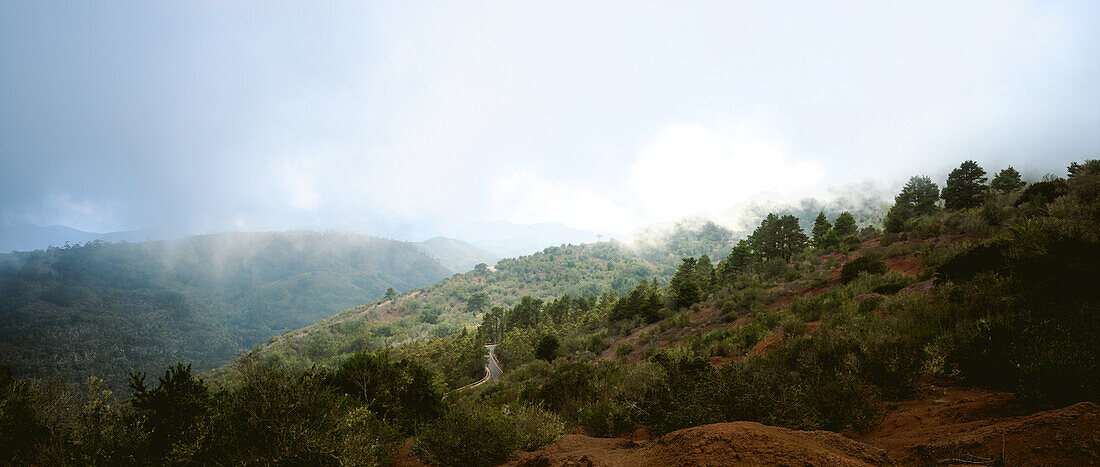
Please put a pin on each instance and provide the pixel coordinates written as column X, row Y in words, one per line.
column 977, row 425
column 736, row 443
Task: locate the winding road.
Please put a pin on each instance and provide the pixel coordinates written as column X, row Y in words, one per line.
column 492, row 369
column 492, row 364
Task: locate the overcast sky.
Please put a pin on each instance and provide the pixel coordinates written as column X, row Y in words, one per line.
column 405, row 118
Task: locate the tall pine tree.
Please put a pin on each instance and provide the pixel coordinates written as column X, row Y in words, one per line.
column 682, row 289
column 965, row 187
column 823, row 235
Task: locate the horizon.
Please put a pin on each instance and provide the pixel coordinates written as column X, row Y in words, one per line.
column 411, row 121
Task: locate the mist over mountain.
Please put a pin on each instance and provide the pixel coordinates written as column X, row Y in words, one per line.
column 456, row 255
column 105, row 309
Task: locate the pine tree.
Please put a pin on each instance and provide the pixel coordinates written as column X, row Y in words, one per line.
column 765, row 239
column 919, row 195
column 965, row 187
column 845, row 225
column 682, row 289
column 822, row 229
column 704, row 275
column 778, row 237
column 739, row 258
column 1007, row 181
column 792, row 238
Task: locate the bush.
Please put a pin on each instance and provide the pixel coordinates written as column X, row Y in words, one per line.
column 534, row 426
column 547, row 348
column 773, row 268
column 606, row 418
column 865, row 264
column 466, row 438
column 813, row 308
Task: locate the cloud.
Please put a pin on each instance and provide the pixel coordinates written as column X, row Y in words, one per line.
column 526, row 197
column 690, row 168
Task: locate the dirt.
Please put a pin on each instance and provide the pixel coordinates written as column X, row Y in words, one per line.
column 911, row 266
column 404, row 456
column 978, row 425
column 735, row 443
column 945, row 426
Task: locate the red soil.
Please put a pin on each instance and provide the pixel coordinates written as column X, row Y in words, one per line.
column 735, row 443
column 978, row 425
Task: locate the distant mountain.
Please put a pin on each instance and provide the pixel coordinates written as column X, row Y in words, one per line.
column 456, row 255
column 105, row 309
column 27, row 237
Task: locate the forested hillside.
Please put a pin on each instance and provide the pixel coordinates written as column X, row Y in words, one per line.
column 105, row 309
column 836, row 328
column 460, row 301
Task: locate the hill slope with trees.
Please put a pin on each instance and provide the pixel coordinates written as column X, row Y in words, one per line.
column 963, row 334
column 105, row 309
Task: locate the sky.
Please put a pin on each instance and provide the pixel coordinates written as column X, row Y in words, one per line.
column 412, row 119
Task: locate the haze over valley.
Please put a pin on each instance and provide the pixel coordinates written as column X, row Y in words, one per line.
column 570, row 233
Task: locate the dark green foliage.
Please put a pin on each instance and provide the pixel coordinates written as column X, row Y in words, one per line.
column 987, row 257
column 24, row 428
column 456, row 359
column 174, row 410
column 738, row 261
column 917, row 198
column 845, row 225
column 965, row 187
column 705, row 276
column 1041, row 193
column 644, row 300
column 1007, row 181
column 897, row 218
column 390, row 294
column 565, row 390
column 143, row 306
column 778, row 237
column 919, row 195
column 400, row 390
column 683, row 291
column 277, row 418
column 865, row 264
column 547, row 349
column 891, row 288
column 478, row 302
column 823, row 235
column 466, row 438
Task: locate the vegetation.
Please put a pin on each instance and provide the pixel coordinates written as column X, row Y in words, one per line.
column 998, row 294
column 107, row 309
column 463, row 301
column 965, row 187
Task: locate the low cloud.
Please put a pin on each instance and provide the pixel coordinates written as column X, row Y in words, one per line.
column 705, row 169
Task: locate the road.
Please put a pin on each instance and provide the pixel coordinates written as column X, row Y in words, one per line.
column 492, row 364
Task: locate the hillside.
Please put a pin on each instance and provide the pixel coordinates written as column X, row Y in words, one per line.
column 106, row 309
column 462, row 300
column 960, row 332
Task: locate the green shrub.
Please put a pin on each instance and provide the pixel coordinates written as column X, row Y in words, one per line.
column 534, row 426
column 865, row 264
column 466, row 438
column 606, row 418
column 773, row 268
column 813, row 308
